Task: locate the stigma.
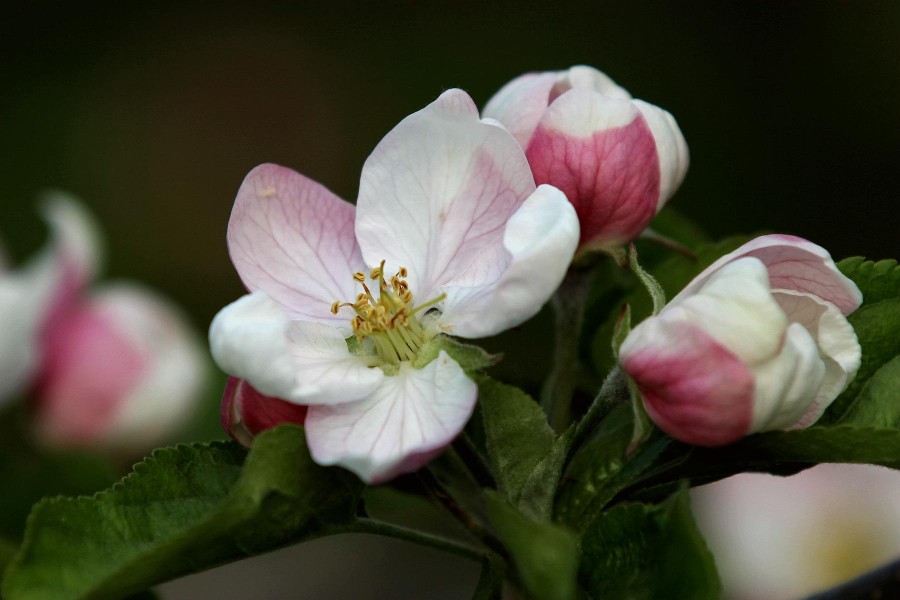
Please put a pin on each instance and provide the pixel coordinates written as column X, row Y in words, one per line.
column 388, row 317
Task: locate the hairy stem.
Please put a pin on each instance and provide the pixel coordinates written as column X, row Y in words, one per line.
column 569, row 304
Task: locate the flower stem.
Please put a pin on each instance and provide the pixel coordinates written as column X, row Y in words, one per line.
column 383, row 528
column 569, row 305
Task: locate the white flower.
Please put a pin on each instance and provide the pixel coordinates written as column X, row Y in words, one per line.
column 449, row 235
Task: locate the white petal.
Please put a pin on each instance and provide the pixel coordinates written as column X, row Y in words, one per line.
column 293, row 239
column 671, row 148
column 520, row 104
column 585, row 77
column 539, row 243
column 735, row 306
column 298, row 361
column 34, row 298
column 838, row 346
column 787, row 384
column 438, row 191
column 19, row 320
column 406, row 421
column 326, row 371
column 793, row 264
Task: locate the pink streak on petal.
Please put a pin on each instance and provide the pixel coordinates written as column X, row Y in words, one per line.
column 696, row 390
column 611, row 177
column 795, row 264
column 292, row 238
column 89, row 368
column 246, row 412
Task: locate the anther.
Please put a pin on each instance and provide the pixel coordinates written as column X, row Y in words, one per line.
column 335, row 307
column 359, row 276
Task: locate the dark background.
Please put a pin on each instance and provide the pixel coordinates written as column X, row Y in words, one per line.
column 152, row 113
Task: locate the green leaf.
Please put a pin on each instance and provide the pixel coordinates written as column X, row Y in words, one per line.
column 183, row 509
column 876, row 280
column 525, row 455
column 602, row 468
column 638, row 551
column 546, row 556
column 777, row 452
column 878, row 402
column 876, row 326
column 7, row 551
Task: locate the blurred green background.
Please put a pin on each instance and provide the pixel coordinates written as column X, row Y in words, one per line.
column 152, row 113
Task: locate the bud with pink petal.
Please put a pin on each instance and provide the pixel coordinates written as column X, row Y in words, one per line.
column 618, row 160
column 118, row 368
column 122, row 371
column 759, row 341
column 246, row 412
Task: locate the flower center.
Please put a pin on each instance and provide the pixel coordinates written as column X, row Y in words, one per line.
column 389, row 320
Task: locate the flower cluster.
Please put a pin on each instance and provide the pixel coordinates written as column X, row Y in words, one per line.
column 465, row 226
column 116, row 367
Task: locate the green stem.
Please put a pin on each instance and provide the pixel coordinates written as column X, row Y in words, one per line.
column 613, row 392
column 569, row 305
column 375, row 527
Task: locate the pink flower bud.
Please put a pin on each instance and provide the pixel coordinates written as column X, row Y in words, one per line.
column 121, row 371
column 757, row 342
column 618, row 160
column 246, row 412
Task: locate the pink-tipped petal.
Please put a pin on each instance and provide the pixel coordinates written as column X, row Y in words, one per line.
column 602, row 154
column 694, row 388
column 437, row 192
column 794, row 264
column 246, row 413
column 292, row 238
column 404, row 423
column 539, row 242
column 521, row 103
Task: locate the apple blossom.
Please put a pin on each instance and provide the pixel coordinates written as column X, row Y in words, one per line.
column 618, row 160
column 116, row 368
column 779, row 538
column 348, row 305
column 757, row 342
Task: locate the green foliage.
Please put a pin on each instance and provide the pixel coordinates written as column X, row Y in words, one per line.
column 877, row 325
column 546, row 556
column 877, row 280
column 638, row 551
column 603, row 467
column 182, row 510
column 526, row 456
